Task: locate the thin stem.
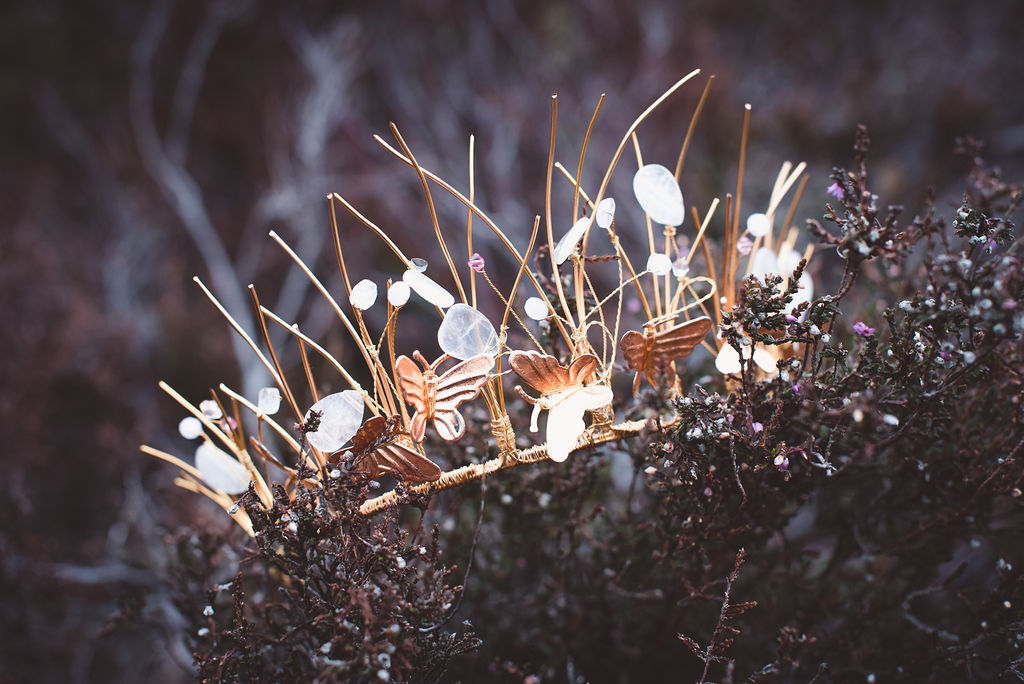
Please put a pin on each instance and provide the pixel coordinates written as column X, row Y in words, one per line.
column 479, row 214
column 547, row 218
column 692, row 127
column 469, row 219
column 430, row 207
column 475, row 471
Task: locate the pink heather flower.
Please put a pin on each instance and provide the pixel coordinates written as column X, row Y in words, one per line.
column 476, row 262
column 758, row 427
column 796, row 388
column 836, row 190
column 744, row 245
column 791, row 318
column 862, row 329
column 781, row 462
column 990, row 246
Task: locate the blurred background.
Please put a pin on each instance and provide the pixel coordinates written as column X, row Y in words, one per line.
column 148, row 142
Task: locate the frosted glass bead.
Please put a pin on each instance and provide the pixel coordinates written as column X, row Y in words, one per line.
column 190, row 427
column 419, row 264
column 398, row 294
column 758, row 225
column 536, row 308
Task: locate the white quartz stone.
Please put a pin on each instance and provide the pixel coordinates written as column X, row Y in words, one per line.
column 221, row 470
column 341, row 416
column 428, row 289
column 805, row 293
column 788, row 261
column 268, row 400
column 210, row 409
column 364, row 294
column 765, row 361
column 465, row 333
column 571, row 238
column 764, row 263
column 605, row 212
column 659, row 195
column 680, row 269
column 728, row 360
column 659, row 264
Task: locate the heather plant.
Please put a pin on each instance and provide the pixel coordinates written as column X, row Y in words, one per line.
column 827, row 492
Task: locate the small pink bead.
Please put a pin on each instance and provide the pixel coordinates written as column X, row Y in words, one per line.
column 476, row 262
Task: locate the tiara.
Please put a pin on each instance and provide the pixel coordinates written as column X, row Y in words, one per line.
column 560, row 344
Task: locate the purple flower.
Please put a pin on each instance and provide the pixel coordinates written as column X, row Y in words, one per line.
column 476, row 262
column 791, row 318
column 781, row 461
column 990, row 246
column 796, row 388
column 862, row 329
column 836, row 190
column 758, row 427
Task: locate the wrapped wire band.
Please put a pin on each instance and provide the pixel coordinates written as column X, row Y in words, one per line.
column 504, row 436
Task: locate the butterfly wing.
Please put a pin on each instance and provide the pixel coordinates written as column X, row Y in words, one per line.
column 543, row 372
column 403, row 460
column 565, row 418
column 460, row 383
column 634, row 349
column 678, row 342
column 581, row 367
column 540, row 371
column 410, row 378
column 368, row 434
